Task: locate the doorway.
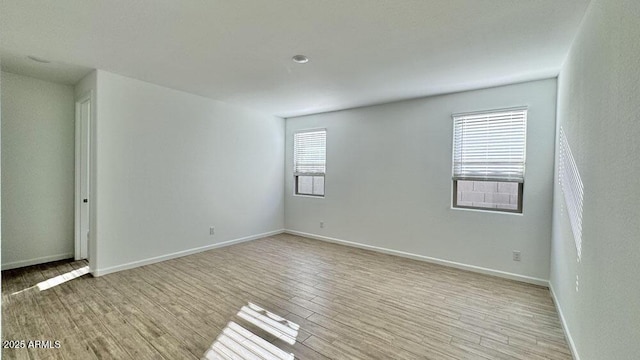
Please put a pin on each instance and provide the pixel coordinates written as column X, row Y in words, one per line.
column 82, row 181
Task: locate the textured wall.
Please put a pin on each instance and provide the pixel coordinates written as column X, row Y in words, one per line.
column 598, row 107
column 37, row 170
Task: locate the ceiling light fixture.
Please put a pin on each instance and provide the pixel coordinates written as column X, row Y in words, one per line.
column 37, row 59
column 300, row 59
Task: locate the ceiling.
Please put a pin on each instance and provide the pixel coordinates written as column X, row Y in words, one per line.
column 361, row 52
column 54, row 71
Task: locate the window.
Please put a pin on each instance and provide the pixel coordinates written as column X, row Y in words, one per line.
column 489, row 159
column 572, row 189
column 309, row 162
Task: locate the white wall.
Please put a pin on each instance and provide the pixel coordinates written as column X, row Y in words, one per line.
column 598, row 107
column 37, row 171
column 171, row 164
column 388, row 181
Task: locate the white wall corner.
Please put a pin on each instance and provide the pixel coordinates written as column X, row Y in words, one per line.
column 565, row 327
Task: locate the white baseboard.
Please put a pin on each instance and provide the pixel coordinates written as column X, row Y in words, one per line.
column 565, row 327
column 40, row 260
column 134, row 264
column 473, row 268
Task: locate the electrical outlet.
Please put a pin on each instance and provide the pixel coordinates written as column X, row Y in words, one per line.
column 516, row 255
column 321, row 224
column 212, row 230
column 577, row 283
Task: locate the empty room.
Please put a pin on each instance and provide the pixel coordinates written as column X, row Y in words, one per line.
column 304, row 179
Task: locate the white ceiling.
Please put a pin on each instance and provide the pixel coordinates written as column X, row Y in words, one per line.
column 54, row 71
column 239, row 51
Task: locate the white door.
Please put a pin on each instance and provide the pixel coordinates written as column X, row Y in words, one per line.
column 83, row 131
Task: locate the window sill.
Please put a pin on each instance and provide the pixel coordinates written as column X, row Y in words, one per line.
column 487, row 211
column 308, row 196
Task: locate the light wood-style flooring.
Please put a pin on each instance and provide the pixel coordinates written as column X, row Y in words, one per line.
column 349, row 303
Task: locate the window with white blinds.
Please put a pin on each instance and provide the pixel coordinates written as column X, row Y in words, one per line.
column 490, row 146
column 309, row 161
column 572, row 189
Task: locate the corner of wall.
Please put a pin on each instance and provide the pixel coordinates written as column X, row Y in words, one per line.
column 563, row 321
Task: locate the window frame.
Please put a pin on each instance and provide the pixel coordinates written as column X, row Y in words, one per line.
column 518, row 210
column 454, row 203
column 296, row 191
column 312, row 175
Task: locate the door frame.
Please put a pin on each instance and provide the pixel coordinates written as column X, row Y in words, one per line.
column 78, row 238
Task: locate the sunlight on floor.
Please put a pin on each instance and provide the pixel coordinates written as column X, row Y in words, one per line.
column 236, row 342
column 54, row 281
column 269, row 322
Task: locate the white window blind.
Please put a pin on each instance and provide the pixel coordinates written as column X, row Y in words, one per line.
column 572, row 188
column 309, row 152
column 490, row 145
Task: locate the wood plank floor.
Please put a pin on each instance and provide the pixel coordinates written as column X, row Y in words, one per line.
column 349, row 303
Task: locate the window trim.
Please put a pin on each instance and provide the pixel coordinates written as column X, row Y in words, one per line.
column 454, row 180
column 296, row 175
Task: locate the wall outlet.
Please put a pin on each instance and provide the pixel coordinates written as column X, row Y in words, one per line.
column 321, row 224
column 516, row 255
column 577, row 283
column 212, row 230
